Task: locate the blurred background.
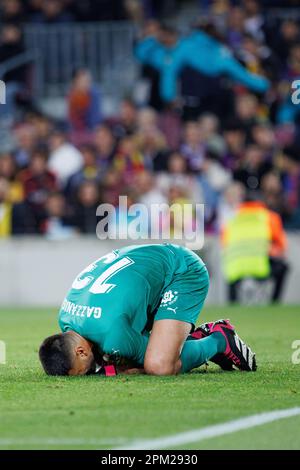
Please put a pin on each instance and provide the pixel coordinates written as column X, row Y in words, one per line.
column 161, row 101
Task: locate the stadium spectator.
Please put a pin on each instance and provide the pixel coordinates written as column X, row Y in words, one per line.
column 272, row 194
column 254, row 20
column 258, row 58
column 236, row 27
column 149, row 138
column 230, row 201
column 193, row 148
column 177, row 199
column 126, row 122
column 177, row 173
column 42, row 125
column 84, row 103
column 11, row 46
column 26, row 140
column 15, row 218
column 247, row 112
column 64, row 159
column 170, row 55
column 57, row 225
column 37, row 183
column 89, row 171
column 209, row 126
column 254, row 247
column 33, row 7
column 213, row 179
column 105, row 146
column 293, row 63
column 12, row 11
column 8, row 171
column 128, row 159
column 84, row 213
column 5, row 209
column 99, row 10
column 290, row 173
column 147, row 190
column 281, row 43
column 254, row 166
column 235, row 141
column 51, row 11
column 263, row 135
column 113, row 186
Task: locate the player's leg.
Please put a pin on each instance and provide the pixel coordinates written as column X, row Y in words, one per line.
column 164, row 347
column 198, row 352
column 168, row 352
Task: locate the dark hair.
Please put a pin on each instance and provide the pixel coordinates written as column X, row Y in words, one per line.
column 208, row 27
column 90, row 147
column 253, row 196
column 40, row 151
column 292, row 152
column 55, row 354
column 168, row 28
column 232, row 125
column 79, row 70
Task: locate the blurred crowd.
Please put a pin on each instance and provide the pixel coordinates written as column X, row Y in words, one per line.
column 62, row 11
column 208, row 133
column 66, row 11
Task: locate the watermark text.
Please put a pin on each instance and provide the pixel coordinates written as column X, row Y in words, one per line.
column 2, row 352
column 179, row 221
column 2, row 92
column 296, row 353
column 296, row 93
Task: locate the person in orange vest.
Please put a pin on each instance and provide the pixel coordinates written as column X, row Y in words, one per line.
column 254, row 245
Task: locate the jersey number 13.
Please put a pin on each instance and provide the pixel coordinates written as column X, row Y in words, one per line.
column 100, row 285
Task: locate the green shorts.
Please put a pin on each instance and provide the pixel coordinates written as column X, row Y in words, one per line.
column 184, row 297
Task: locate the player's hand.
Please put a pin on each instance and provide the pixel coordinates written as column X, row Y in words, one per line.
column 131, row 371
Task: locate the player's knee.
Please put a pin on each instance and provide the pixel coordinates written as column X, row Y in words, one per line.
column 159, row 366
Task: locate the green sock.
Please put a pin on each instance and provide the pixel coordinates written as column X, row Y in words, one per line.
column 199, row 351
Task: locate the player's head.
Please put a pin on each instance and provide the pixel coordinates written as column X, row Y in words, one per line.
column 67, row 354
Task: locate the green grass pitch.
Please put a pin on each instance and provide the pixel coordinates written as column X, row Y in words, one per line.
column 40, row 412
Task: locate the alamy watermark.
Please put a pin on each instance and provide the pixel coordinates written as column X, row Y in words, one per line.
column 182, row 222
column 2, row 352
column 296, row 353
column 2, row 92
column 296, row 93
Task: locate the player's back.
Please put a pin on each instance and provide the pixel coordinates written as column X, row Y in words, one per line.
column 127, row 282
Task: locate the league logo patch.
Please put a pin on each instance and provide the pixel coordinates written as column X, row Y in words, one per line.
column 169, row 298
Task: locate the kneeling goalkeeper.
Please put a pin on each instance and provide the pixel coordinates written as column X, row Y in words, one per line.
column 141, row 303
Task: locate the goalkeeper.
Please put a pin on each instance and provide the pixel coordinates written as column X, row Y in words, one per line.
column 141, row 303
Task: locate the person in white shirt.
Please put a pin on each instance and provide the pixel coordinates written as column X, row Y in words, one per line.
column 65, row 159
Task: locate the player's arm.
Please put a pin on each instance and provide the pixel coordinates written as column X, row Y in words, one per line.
column 123, row 341
column 149, row 51
column 231, row 67
column 111, row 369
column 131, row 370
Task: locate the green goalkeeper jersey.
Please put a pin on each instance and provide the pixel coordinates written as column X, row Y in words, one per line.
column 114, row 301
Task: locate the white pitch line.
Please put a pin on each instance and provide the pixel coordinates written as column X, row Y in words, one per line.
column 211, row 431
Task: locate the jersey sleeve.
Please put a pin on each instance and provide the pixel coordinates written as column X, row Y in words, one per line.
column 124, row 341
column 229, row 65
